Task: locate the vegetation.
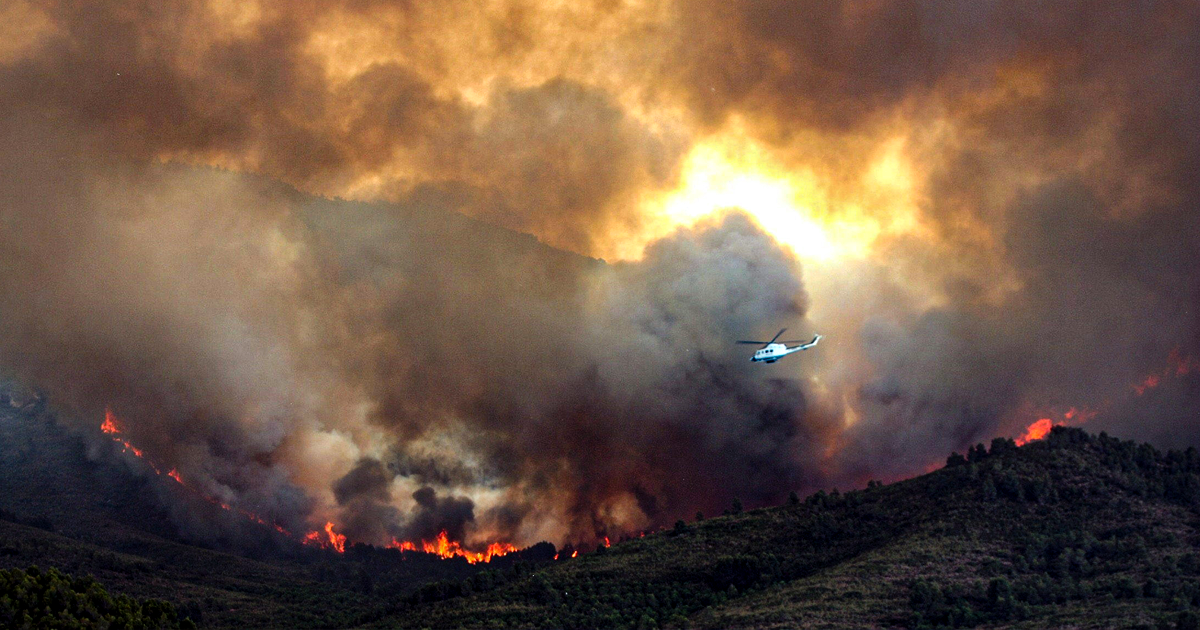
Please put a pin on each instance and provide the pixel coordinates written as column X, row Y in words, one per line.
column 1072, row 531
column 49, row 599
column 1075, row 530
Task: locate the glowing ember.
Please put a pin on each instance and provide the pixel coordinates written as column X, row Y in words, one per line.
column 174, row 474
column 443, row 547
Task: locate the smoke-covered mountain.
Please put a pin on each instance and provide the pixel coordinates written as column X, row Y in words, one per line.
column 989, row 211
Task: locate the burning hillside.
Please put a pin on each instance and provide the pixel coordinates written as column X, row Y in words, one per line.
column 471, row 276
column 327, row 537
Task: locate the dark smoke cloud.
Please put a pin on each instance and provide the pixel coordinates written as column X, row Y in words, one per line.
column 312, row 359
column 365, row 497
column 434, row 515
column 618, row 385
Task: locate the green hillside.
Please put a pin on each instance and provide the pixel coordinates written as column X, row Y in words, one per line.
column 1075, row 531
column 50, row 600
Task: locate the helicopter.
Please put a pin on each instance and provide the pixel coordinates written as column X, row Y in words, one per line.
column 773, row 350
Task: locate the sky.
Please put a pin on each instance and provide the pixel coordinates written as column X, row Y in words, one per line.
column 478, row 266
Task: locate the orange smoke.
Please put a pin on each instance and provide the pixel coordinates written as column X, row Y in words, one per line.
column 1177, row 366
column 443, row 547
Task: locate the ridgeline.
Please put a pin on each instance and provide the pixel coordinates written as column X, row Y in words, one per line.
column 1075, row 530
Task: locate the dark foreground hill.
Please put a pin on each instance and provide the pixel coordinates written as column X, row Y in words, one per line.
column 1076, row 531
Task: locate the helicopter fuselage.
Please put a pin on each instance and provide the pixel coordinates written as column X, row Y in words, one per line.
column 773, row 353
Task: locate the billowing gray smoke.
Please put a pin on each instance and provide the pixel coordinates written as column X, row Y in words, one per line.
column 401, row 369
column 417, row 366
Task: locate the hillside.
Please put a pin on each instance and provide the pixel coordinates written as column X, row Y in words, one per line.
column 104, row 516
column 1074, row 531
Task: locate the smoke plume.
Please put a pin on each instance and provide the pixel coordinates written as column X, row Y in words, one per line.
column 477, row 269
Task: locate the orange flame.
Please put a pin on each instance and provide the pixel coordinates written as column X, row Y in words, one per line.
column 1036, row 431
column 110, row 422
column 112, row 426
column 1177, row 366
column 331, row 539
column 443, row 547
column 336, row 540
column 1040, row 428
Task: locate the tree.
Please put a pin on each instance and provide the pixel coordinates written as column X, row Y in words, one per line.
column 736, row 508
column 999, row 590
column 1001, row 445
column 955, row 460
column 989, row 489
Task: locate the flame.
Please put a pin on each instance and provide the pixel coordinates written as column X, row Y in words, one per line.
column 336, row 540
column 443, row 547
column 1036, row 431
column 405, row 545
column 112, row 426
column 1177, row 366
column 330, row 540
column 110, row 422
column 575, row 553
column 1040, row 428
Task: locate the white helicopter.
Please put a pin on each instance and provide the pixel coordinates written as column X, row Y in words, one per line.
column 773, row 351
